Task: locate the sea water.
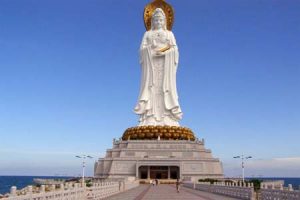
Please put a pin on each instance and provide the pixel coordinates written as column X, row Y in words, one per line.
column 6, row 182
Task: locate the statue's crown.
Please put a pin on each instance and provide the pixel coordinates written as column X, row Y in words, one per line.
column 158, row 12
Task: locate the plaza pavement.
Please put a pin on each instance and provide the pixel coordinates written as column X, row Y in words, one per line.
column 165, row 192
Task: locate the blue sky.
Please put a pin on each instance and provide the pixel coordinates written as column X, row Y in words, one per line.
column 69, row 80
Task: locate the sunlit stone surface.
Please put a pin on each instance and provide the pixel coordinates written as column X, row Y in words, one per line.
column 158, row 159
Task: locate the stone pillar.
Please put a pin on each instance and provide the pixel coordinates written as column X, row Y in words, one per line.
column 169, row 172
column 137, row 169
column 180, row 171
column 290, row 187
column 148, row 172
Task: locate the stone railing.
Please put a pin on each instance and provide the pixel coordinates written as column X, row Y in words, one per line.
column 236, row 190
column 70, row 191
column 272, row 191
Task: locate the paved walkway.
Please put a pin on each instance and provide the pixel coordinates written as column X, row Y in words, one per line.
column 165, row 192
column 132, row 194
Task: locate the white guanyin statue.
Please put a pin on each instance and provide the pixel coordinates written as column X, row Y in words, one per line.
column 158, row 100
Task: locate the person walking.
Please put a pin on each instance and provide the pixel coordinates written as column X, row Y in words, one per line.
column 152, row 182
column 177, row 185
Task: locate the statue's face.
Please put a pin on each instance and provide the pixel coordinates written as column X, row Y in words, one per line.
column 158, row 22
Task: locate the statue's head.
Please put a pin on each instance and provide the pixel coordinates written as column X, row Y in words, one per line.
column 158, row 20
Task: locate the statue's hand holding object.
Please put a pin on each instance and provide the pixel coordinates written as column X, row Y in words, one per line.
column 162, row 51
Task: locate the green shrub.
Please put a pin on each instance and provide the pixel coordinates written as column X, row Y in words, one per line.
column 256, row 183
column 208, row 180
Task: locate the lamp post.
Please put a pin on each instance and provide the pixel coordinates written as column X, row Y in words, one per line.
column 83, row 157
column 243, row 164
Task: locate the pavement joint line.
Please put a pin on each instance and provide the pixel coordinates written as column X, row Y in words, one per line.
column 118, row 194
column 142, row 194
column 190, row 190
column 179, row 196
column 199, row 195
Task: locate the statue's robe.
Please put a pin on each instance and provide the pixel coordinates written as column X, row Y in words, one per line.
column 145, row 106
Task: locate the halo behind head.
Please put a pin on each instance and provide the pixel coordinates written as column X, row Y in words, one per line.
column 167, row 9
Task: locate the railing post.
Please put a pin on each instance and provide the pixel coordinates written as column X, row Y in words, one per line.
column 290, row 187
column 53, row 187
column 62, row 186
column 42, row 189
column 272, row 186
column 281, row 187
column 13, row 191
column 29, row 189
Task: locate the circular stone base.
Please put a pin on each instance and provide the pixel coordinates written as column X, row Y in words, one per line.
column 155, row 132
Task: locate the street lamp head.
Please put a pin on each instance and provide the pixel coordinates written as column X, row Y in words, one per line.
column 248, row 157
column 237, row 157
column 83, row 157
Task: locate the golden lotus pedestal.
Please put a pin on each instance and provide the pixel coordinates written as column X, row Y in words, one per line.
column 158, row 132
